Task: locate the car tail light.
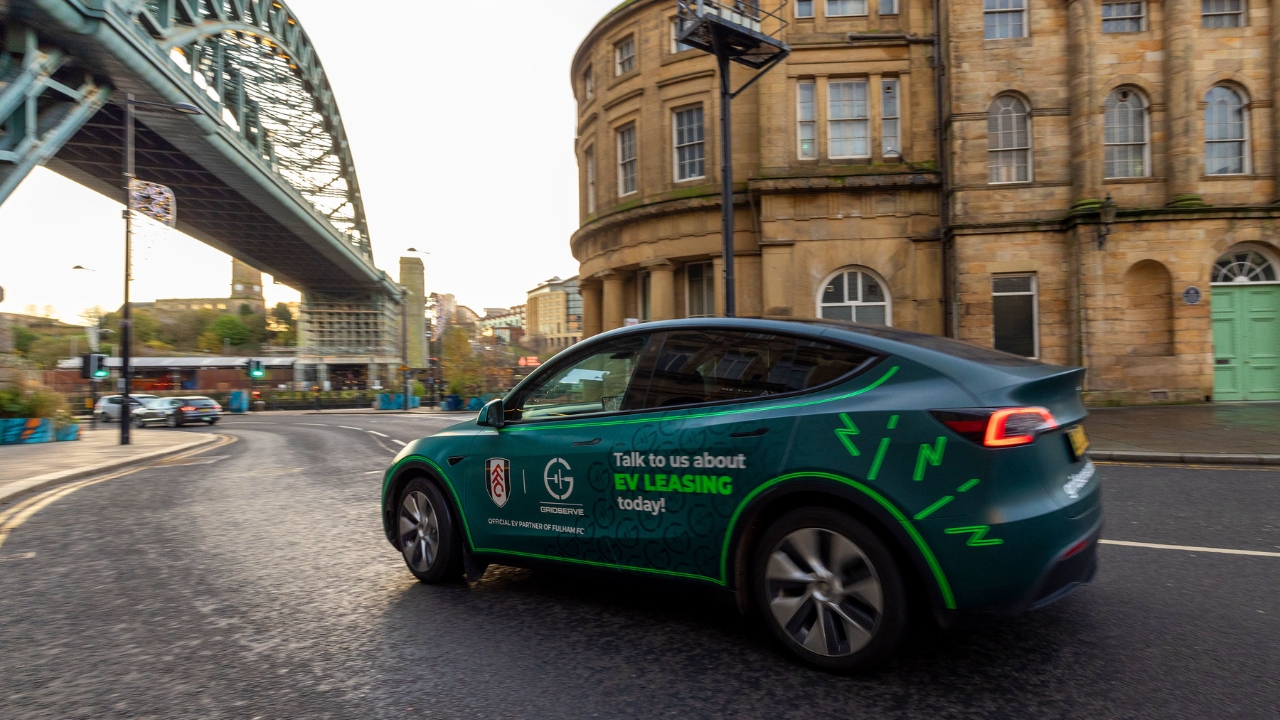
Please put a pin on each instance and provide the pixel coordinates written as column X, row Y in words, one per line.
column 216, row 406
column 1005, row 427
column 187, row 408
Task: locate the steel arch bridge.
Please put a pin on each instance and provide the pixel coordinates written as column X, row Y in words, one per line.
column 266, row 174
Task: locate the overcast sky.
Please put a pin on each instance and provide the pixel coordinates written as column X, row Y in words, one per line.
column 462, row 129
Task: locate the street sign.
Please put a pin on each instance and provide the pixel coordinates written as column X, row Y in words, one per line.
column 1191, row 295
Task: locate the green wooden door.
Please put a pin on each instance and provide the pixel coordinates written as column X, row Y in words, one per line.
column 1246, row 341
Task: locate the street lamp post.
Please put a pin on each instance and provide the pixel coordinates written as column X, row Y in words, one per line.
column 126, row 319
column 733, row 31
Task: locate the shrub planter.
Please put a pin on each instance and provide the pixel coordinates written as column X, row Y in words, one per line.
column 20, row 431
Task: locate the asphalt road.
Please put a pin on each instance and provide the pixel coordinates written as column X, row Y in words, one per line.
column 259, row 584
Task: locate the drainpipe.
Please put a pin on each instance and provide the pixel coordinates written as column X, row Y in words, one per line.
column 951, row 318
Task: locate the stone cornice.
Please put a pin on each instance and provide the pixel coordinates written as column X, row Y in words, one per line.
column 686, row 76
column 622, row 98
column 1136, row 215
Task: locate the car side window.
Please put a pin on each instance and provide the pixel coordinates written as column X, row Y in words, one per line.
column 598, row 382
column 701, row 366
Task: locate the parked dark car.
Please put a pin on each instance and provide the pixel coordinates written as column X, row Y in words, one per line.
column 176, row 412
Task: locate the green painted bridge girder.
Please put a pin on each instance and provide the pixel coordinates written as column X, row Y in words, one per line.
column 265, row 175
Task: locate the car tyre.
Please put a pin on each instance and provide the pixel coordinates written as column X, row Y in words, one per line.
column 211, row 421
column 829, row 590
column 430, row 541
column 171, row 420
column 139, row 423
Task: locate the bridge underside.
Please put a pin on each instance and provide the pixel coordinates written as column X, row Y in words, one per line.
column 208, row 208
column 246, row 183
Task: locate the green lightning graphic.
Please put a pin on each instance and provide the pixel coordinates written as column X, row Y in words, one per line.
column 931, row 455
column 846, row 433
column 978, row 535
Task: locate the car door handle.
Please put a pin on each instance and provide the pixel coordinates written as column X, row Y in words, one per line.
column 750, row 433
column 581, row 443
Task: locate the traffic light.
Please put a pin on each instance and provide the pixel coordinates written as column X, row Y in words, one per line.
column 255, row 369
column 94, row 366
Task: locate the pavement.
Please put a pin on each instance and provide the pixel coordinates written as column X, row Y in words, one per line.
column 254, row 580
column 26, row 468
column 1218, row 433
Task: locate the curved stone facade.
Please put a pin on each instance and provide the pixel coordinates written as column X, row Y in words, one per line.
column 654, row 253
column 990, row 229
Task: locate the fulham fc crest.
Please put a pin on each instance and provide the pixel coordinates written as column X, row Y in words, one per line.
column 497, row 472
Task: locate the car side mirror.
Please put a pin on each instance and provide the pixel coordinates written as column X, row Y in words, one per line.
column 492, row 414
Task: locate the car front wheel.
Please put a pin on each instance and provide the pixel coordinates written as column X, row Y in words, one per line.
column 171, row 421
column 829, row 590
column 429, row 539
column 138, row 423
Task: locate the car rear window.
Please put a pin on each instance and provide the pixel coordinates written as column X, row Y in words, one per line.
column 200, row 402
column 937, row 343
column 700, row 366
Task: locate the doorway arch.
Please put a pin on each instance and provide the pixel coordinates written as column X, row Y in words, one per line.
column 1245, row 307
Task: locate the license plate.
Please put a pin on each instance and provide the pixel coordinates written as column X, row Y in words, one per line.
column 1078, row 440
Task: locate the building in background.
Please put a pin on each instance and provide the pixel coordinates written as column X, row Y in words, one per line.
column 351, row 342
column 968, row 202
column 553, row 315
column 246, row 289
column 506, row 324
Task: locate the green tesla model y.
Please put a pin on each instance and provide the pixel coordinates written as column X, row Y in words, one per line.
column 832, row 475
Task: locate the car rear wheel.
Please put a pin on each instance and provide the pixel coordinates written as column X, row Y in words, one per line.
column 829, row 590
column 429, row 538
column 211, row 420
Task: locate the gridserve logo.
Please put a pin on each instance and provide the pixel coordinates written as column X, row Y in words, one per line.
column 557, row 480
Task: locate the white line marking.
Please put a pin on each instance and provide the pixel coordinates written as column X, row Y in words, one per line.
column 401, row 444
column 375, row 432
column 348, row 427
column 1189, row 548
column 315, row 424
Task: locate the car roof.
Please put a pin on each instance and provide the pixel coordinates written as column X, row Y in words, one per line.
column 978, row 368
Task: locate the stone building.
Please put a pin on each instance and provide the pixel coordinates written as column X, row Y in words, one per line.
column 246, row 289
column 967, row 202
column 553, row 314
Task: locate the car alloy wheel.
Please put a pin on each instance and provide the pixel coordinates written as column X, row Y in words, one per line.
column 138, row 423
column 824, row 592
column 829, row 590
column 419, row 531
column 171, row 421
column 427, row 533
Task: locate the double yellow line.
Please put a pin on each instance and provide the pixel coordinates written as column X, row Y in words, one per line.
column 12, row 518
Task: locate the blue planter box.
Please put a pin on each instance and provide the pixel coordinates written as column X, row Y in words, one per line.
column 20, row 431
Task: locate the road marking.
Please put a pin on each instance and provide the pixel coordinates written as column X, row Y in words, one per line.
column 1190, row 548
column 12, row 518
column 1189, row 466
column 375, row 432
column 315, row 424
column 348, row 427
column 398, row 442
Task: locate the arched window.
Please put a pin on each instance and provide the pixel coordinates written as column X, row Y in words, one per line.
column 1243, row 265
column 855, row 293
column 1125, row 121
column 1226, row 133
column 1008, row 141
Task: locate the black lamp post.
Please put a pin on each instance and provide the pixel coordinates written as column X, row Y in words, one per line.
column 126, row 320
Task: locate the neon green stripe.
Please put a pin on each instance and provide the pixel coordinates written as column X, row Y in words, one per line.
column 934, row 507
column 594, row 563
column 448, row 485
column 875, row 464
column 943, row 586
column 698, row 416
column 968, row 486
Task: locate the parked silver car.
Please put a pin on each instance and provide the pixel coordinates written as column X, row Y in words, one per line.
column 108, row 407
column 178, row 411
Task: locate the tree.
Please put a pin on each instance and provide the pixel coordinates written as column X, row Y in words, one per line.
column 462, row 368
column 283, row 325
column 231, row 328
column 23, row 339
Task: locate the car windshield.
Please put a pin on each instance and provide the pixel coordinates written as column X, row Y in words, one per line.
column 152, row 402
column 936, row 343
column 200, row 402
